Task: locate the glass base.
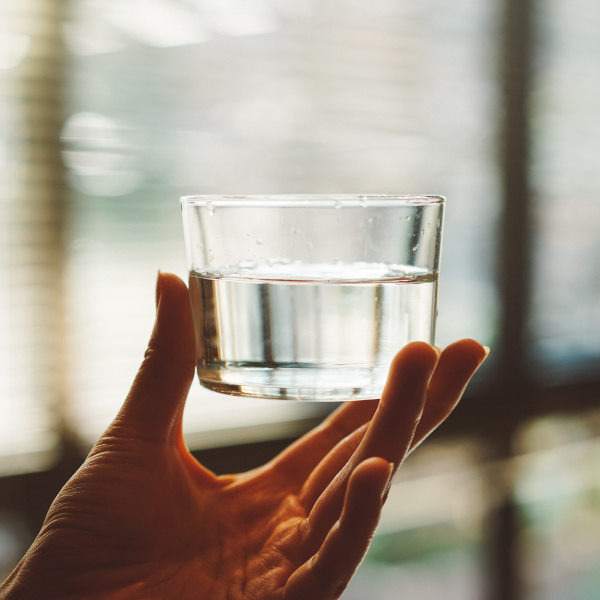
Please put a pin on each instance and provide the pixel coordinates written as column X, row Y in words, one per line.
column 297, row 382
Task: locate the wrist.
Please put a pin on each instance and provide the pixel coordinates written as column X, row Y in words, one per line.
column 32, row 581
column 28, row 583
column 16, row 586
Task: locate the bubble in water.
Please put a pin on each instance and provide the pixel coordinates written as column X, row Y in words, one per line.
column 414, row 248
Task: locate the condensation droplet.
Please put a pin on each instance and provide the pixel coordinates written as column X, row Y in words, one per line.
column 370, row 220
column 414, row 248
column 408, row 217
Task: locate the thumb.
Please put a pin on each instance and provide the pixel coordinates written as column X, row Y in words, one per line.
column 153, row 409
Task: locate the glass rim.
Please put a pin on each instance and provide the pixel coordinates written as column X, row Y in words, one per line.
column 311, row 200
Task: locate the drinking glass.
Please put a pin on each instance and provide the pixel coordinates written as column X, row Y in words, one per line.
column 308, row 297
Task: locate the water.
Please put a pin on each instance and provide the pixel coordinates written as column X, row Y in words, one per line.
column 309, row 332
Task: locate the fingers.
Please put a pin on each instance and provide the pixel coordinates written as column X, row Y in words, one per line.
column 420, row 393
column 402, row 401
column 330, row 466
column 299, row 460
column 326, row 574
column 154, row 407
column 389, row 434
column 457, row 364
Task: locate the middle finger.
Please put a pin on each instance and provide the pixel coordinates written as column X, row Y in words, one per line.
column 389, row 434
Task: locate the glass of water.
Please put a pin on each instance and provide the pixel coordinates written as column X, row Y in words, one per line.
column 308, row 297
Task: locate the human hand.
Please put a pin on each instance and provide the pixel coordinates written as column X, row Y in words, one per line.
column 142, row 519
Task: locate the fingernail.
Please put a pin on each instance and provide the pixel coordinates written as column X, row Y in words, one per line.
column 388, row 483
column 390, row 474
column 438, row 350
column 487, row 350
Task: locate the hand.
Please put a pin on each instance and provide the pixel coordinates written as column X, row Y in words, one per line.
column 143, row 519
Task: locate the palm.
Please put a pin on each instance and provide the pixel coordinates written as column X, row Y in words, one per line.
column 239, row 536
column 143, row 519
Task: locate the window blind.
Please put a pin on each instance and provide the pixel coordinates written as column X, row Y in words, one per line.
column 31, row 251
column 257, row 98
column 230, row 97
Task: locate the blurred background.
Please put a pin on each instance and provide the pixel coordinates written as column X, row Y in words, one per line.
column 109, row 111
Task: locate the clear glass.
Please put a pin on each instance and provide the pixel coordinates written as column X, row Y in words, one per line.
column 308, row 297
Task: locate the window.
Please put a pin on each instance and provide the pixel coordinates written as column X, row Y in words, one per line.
column 282, row 101
column 110, row 111
column 565, row 210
